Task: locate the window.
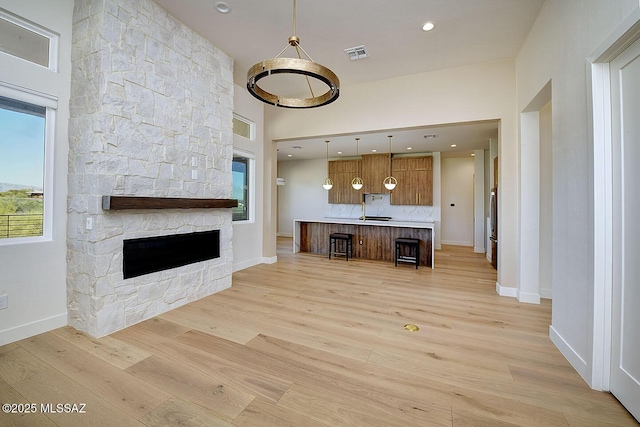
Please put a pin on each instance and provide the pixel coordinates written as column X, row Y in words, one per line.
column 22, row 160
column 22, row 39
column 243, row 127
column 240, row 170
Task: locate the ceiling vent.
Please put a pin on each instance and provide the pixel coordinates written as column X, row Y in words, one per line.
column 430, row 136
column 357, row 52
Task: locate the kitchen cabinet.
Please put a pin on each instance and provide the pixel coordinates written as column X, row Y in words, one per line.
column 341, row 173
column 415, row 181
column 375, row 168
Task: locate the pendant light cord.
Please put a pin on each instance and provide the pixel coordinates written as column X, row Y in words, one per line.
column 390, row 170
column 327, row 154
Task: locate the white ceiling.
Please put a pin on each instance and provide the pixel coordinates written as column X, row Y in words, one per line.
column 466, row 32
column 466, row 136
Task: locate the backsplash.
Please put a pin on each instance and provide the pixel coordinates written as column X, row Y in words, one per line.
column 379, row 205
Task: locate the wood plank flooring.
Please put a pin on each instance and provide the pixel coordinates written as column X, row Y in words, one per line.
column 315, row 342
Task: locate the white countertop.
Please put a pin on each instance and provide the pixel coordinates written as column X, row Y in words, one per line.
column 390, row 223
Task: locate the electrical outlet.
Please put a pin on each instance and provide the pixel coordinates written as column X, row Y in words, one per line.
column 89, row 225
column 4, row 301
column 194, row 162
column 360, row 241
column 194, row 174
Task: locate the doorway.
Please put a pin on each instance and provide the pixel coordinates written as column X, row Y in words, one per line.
column 615, row 75
column 457, row 201
column 536, row 199
column 625, row 155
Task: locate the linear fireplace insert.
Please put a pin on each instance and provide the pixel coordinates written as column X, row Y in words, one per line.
column 151, row 254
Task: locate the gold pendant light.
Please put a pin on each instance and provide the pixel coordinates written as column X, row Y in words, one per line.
column 356, row 182
column 390, row 182
column 327, row 184
column 306, row 67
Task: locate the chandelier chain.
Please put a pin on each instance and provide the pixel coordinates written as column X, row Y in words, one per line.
column 294, row 16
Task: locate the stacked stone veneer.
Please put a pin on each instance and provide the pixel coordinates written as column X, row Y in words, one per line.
column 148, row 96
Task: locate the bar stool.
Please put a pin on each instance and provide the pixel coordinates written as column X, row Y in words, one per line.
column 347, row 245
column 410, row 246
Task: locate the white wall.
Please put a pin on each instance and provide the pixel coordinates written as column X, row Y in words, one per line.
column 564, row 35
column 33, row 275
column 475, row 92
column 247, row 236
column 457, row 189
column 302, row 196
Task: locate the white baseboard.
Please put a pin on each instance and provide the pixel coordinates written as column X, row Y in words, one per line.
column 34, row 328
column 488, row 257
column 437, row 247
column 503, row 291
column 456, row 243
column 284, row 234
column 527, row 297
column 246, row 264
column 570, row 354
column 546, row 293
column 478, row 249
column 250, row 263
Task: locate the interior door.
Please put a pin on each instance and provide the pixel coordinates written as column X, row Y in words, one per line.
column 625, row 350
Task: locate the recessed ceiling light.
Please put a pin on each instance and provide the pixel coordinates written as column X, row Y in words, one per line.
column 453, row 145
column 374, row 151
column 409, row 148
column 289, row 155
column 223, row 7
column 339, row 152
column 428, row 26
column 472, row 154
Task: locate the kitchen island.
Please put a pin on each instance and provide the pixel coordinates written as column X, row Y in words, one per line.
column 374, row 240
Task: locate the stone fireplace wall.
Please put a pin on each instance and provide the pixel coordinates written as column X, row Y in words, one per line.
column 151, row 101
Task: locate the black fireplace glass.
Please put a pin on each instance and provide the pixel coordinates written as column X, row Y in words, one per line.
column 151, row 254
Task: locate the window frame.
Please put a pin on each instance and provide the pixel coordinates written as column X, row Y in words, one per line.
column 251, row 184
column 50, row 103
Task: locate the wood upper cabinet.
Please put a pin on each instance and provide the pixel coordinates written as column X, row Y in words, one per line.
column 414, row 175
column 404, row 193
column 341, row 173
column 375, row 168
column 415, row 181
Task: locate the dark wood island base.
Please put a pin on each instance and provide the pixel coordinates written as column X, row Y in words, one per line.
column 372, row 241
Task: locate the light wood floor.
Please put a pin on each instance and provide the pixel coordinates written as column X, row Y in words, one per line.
column 313, row 342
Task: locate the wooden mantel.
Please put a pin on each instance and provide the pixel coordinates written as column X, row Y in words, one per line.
column 133, row 202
